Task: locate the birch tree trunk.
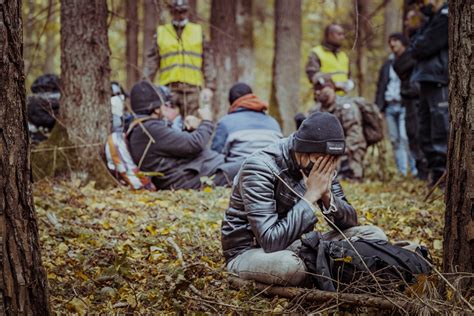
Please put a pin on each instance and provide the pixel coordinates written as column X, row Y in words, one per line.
column 458, row 252
column 223, row 43
column 285, row 99
column 23, row 283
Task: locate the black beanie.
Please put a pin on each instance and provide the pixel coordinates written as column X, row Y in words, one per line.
column 238, row 90
column 321, row 132
column 145, row 97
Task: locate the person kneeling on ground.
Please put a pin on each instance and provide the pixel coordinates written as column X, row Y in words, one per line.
column 272, row 200
column 180, row 157
column 246, row 128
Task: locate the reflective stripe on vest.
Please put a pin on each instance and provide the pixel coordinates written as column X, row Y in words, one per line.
column 333, row 63
column 180, row 58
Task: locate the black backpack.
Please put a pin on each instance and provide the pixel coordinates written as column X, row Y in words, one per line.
column 335, row 264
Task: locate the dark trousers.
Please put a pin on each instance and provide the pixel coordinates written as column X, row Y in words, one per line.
column 412, row 124
column 433, row 117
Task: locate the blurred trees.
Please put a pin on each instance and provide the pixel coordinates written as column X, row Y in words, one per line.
column 151, row 18
column 245, row 50
column 23, row 283
column 131, row 14
column 85, row 82
column 224, row 46
column 284, row 98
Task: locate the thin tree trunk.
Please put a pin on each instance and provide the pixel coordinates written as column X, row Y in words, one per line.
column 23, row 283
column 223, row 43
column 85, row 81
column 284, row 99
column 245, row 53
column 391, row 22
column 193, row 10
column 151, row 18
column 362, row 29
column 458, row 252
column 131, row 14
column 51, row 46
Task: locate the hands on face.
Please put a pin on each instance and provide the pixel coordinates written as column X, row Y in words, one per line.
column 318, row 182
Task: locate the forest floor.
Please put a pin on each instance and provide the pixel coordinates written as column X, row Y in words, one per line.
column 118, row 251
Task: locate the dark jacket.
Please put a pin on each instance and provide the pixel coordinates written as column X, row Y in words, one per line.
column 240, row 133
column 430, row 49
column 384, row 78
column 403, row 66
column 264, row 213
column 181, row 157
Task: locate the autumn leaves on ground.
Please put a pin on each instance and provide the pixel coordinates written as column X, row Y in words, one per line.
column 119, row 251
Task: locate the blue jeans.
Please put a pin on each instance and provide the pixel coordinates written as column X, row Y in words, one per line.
column 395, row 116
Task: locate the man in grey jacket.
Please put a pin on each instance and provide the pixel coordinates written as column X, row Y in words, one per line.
column 273, row 203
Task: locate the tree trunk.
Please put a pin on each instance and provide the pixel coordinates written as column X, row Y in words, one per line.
column 193, row 10
column 132, row 43
column 458, row 249
column 362, row 29
column 23, row 283
column 224, row 46
column 284, row 100
column 391, row 22
column 48, row 66
column 85, row 82
column 245, row 55
column 151, row 17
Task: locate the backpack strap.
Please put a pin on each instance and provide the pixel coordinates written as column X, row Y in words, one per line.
column 135, row 123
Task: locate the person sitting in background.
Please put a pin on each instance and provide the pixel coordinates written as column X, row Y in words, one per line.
column 246, row 128
column 43, row 106
column 389, row 100
column 350, row 117
column 180, row 157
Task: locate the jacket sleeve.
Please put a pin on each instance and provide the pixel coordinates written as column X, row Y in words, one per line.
column 181, row 143
column 313, row 66
column 433, row 38
column 272, row 233
column 220, row 138
column 152, row 62
column 381, row 87
column 345, row 216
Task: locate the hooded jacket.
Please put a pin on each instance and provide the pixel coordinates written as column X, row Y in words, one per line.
column 265, row 213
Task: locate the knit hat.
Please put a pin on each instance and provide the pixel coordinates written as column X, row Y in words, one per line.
column 322, row 133
column 238, row 90
column 145, row 97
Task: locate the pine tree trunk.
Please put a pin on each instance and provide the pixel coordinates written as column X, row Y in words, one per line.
column 23, row 283
column 391, row 22
column 151, row 18
column 50, row 50
column 193, row 10
column 223, row 42
column 458, row 254
column 284, row 99
column 362, row 29
column 85, row 82
column 245, row 52
column 132, row 43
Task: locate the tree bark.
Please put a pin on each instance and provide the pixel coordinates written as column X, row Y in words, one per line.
column 193, row 10
column 131, row 14
column 245, row 53
column 151, row 18
column 363, row 30
column 223, row 43
column 391, row 24
column 48, row 66
column 85, row 82
column 285, row 98
column 23, row 283
column 458, row 252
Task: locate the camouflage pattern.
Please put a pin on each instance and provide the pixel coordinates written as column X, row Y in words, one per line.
column 348, row 113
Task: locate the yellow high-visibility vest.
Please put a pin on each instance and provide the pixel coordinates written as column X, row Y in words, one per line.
column 333, row 63
column 180, row 58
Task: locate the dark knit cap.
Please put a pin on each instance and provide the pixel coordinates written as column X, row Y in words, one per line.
column 321, row 132
column 239, row 90
column 145, row 97
column 399, row 37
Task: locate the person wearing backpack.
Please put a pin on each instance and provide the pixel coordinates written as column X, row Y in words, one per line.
column 274, row 200
column 179, row 157
column 347, row 111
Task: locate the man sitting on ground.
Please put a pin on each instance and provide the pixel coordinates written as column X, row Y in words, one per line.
column 246, row 128
column 180, row 157
column 273, row 198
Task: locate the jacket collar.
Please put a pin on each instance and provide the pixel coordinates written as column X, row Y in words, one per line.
column 288, row 156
